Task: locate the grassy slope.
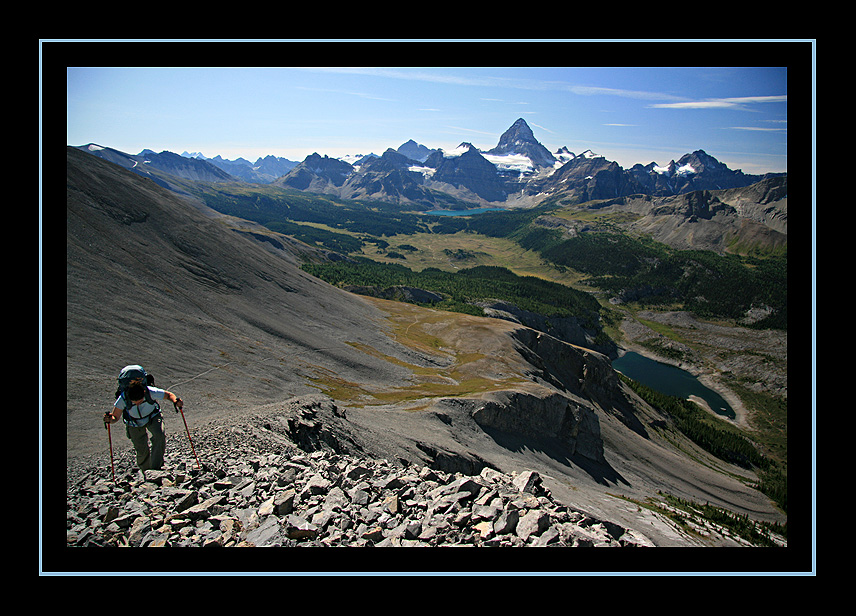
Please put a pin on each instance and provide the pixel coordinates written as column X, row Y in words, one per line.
column 451, row 252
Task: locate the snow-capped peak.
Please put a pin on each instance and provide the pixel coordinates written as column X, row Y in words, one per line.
column 563, row 155
column 458, row 151
column 670, row 169
column 352, row 158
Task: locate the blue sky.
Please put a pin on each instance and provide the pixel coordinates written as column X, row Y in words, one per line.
column 630, row 115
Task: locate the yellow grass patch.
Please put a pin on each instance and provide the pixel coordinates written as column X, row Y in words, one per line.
column 474, row 355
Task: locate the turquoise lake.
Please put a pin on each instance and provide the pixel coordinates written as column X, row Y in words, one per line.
column 670, row 380
column 480, row 210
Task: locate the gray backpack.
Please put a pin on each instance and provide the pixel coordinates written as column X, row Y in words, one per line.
column 127, row 377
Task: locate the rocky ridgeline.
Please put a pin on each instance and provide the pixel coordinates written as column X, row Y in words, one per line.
column 244, row 496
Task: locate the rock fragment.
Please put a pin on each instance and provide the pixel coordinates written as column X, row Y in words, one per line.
column 253, row 492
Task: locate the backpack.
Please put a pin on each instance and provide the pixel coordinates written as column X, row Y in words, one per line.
column 128, row 376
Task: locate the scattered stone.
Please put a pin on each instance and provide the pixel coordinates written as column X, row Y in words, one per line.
column 256, row 493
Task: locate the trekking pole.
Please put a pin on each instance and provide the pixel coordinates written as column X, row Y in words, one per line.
column 179, row 407
column 110, row 439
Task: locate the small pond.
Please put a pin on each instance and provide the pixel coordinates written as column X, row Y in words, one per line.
column 670, row 380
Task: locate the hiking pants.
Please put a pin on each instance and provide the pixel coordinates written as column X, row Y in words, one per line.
column 148, row 458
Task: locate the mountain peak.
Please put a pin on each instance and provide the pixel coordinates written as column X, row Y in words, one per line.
column 415, row 151
column 518, row 132
column 519, row 139
column 701, row 160
column 522, row 127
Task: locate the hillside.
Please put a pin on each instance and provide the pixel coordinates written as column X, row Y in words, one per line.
column 747, row 219
column 232, row 325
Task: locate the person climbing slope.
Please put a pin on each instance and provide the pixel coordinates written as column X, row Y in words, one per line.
column 137, row 404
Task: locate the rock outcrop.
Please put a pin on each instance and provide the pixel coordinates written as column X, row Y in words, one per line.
column 556, row 416
column 567, row 329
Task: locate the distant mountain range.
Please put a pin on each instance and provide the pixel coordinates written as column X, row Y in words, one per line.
column 264, row 170
column 519, row 171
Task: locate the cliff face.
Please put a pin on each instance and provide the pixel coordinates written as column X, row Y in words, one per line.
column 563, row 410
column 568, row 329
column 553, row 416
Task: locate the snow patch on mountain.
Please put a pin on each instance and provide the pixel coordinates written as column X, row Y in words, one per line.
column 458, row 151
column 563, row 155
column 426, row 171
column 511, row 162
column 686, row 169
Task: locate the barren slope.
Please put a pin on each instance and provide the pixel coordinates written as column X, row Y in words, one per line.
column 217, row 316
column 233, row 326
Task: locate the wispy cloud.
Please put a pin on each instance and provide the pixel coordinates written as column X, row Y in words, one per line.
column 347, row 93
column 637, row 94
column 741, row 102
column 766, row 130
column 658, row 100
column 412, row 75
column 478, row 80
column 544, row 128
column 470, row 130
column 759, row 99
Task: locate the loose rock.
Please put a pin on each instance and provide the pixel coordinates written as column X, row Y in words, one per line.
column 261, row 494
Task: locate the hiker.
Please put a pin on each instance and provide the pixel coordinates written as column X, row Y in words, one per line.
column 137, row 405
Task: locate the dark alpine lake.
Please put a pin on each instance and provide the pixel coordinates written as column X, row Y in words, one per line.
column 670, row 380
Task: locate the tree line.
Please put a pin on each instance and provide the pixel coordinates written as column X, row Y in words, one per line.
column 706, row 283
column 467, row 286
column 639, row 269
column 719, row 440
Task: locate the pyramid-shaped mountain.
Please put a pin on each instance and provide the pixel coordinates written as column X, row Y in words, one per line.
column 519, row 139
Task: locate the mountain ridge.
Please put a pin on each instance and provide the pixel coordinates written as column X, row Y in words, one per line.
column 518, row 172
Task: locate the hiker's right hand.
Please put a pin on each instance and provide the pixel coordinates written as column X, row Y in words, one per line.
column 109, row 419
